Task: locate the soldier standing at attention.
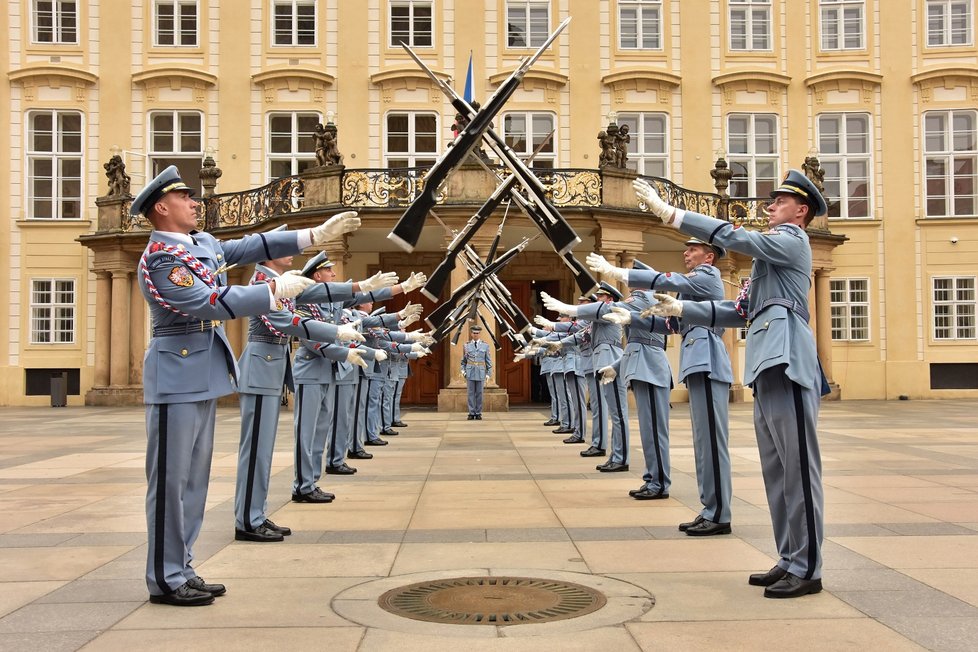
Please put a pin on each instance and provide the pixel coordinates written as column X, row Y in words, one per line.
column 189, row 365
column 781, row 365
column 476, row 367
column 704, row 366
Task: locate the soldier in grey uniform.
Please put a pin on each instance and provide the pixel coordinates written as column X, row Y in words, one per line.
column 568, row 338
column 476, row 368
column 645, row 368
column 705, row 368
column 552, row 364
column 781, row 365
column 265, row 369
column 189, row 365
column 391, row 341
column 606, row 350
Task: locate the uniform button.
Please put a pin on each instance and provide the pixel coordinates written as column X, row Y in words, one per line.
column 184, row 352
column 268, row 357
column 766, row 324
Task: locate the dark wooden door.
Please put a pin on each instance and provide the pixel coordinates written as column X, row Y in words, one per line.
column 515, row 376
column 423, row 384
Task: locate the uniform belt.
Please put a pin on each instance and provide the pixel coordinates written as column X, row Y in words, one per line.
column 186, row 328
column 647, row 342
column 269, row 339
column 476, row 364
column 716, row 330
column 790, row 304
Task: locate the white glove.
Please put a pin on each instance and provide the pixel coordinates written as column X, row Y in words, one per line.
column 532, row 349
column 667, row 307
column 557, row 306
column 463, row 374
column 600, row 264
column 423, row 352
column 417, row 347
column 553, row 347
column 291, row 284
column 539, row 341
column 349, row 333
column 409, row 310
column 379, row 356
column 420, row 336
column 518, row 357
column 407, row 321
column 543, row 322
column 649, row 199
column 413, row 282
column 334, row 227
column 618, row 316
column 356, row 357
column 378, row 281
column 608, row 374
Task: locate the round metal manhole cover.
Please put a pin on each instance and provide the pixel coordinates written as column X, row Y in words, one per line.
column 492, row 601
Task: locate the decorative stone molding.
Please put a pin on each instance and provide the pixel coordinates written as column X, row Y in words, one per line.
column 641, row 80
column 844, row 80
column 32, row 76
column 752, row 81
column 948, row 78
column 410, row 79
column 175, row 78
column 293, row 79
column 548, row 81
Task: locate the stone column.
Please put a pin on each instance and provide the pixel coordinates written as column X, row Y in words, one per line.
column 103, row 325
column 119, row 356
column 823, row 327
column 137, row 334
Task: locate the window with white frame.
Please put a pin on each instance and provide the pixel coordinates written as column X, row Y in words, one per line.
column 177, row 138
column 951, row 160
column 524, row 131
column 648, row 147
column 291, row 143
column 640, row 24
column 844, row 151
column 527, row 23
column 949, row 22
column 752, row 153
column 294, row 22
column 954, row 307
column 55, row 21
column 750, row 25
column 411, row 23
column 842, row 24
column 175, row 22
column 411, row 139
column 52, row 311
column 54, row 165
column 849, row 303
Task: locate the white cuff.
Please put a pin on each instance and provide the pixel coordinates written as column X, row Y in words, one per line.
column 304, row 238
column 677, row 219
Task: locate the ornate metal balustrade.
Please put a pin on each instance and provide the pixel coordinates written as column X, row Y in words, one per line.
column 747, row 212
column 382, row 187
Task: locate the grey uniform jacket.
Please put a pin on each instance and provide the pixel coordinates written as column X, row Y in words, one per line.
column 776, row 334
column 644, row 358
column 198, row 364
column 702, row 349
column 476, row 363
column 605, row 336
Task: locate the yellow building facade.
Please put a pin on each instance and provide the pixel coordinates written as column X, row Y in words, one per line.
column 884, row 95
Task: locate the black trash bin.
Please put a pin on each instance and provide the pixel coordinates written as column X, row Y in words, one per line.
column 59, row 390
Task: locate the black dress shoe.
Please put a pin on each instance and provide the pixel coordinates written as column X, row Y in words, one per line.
column 342, row 469
column 199, row 584
column 632, row 492
column 260, row 534
column 551, row 422
column 767, row 579
column 314, row 496
column 471, row 417
column 562, row 431
column 185, row 596
column 684, row 526
column 707, row 528
column 375, row 442
column 612, row 467
column 574, row 440
column 648, row 494
column 281, row 529
column 478, row 417
column 360, row 455
column 593, row 452
column 389, row 432
column 399, row 424
column 792, row 586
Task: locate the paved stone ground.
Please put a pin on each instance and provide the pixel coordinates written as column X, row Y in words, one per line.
column 451, row 497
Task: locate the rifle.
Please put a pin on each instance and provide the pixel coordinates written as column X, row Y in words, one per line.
column 407, row 231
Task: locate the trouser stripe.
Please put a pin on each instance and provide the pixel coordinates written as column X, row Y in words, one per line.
column 655, row 438
column 333, row 427
column 299, row 394
column 252, row 463
column 711, row 419
column 160, row 525
column 806, row 482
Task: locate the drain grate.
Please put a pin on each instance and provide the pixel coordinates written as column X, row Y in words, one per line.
column 492, row 601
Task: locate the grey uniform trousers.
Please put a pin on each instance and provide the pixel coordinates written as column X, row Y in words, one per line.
column 563, row 409
column 309, row 407
column 617, row 401
column 708, row 403
column 474, row 397
column 179, row 447
column 390, row 388
column 399, row 390
column 577, row 403
column 552, row 389
column 259, row 424
column 652, row 403
column 785, row 415
column 336, row 424
column 599, row 412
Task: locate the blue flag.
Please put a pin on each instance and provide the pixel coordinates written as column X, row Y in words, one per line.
column 468, row 93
